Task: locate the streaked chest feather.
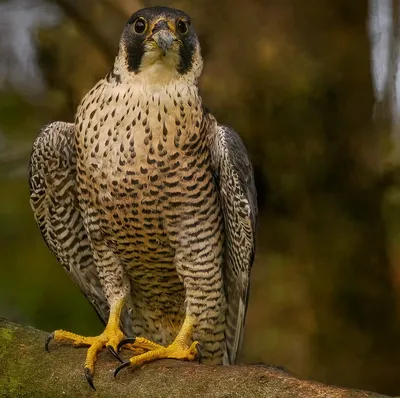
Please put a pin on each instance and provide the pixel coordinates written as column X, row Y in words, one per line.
column 141, row 160
column 132, row 124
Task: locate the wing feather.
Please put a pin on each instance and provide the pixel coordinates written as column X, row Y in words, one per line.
column 234, row 177
column 53, row 200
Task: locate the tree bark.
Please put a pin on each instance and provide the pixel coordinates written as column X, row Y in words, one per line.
column 28, row 371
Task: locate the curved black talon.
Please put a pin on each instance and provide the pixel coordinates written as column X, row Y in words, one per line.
column 129, row 340
column 120, row 367
column 89, row 378
column 199, row 348
column 111, row 349
column 47, row 342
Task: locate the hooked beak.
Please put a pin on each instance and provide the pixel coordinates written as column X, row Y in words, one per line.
column 164, row 39
column 163, row 36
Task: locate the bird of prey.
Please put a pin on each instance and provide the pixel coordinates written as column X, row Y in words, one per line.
column 150, row 204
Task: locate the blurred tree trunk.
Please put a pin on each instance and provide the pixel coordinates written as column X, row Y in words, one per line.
column 387, row 122
column 384, row 112
column 93, row 19
column 350, row 277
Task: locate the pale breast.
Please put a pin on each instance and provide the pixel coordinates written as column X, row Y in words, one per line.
column 138, row 162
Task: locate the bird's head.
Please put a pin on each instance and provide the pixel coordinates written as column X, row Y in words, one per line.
column 161, row 44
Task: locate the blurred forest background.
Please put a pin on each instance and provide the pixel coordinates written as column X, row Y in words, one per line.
column 311, row 87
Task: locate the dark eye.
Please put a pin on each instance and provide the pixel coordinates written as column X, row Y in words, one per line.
column 182, row 27
column 139, row 25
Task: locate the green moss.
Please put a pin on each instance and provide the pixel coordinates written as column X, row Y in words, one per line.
column 10, row 386
column 6, row 336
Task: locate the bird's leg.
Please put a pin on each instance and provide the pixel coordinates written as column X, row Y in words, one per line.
column 181, row 348
column 205, row 307
column 110, row 338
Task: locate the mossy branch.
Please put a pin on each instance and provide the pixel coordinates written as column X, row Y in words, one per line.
column 26, row 370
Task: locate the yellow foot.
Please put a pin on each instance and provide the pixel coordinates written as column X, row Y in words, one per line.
column 110, row 338
column 177, row 350
column 138, row 344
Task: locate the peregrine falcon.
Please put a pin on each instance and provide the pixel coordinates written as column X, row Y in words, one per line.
column 150, row 204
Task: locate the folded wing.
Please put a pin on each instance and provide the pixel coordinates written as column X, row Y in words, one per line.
column 53, row 199
column 235, row 180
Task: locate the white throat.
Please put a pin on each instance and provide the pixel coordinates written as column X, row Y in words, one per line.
column 158, row 69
